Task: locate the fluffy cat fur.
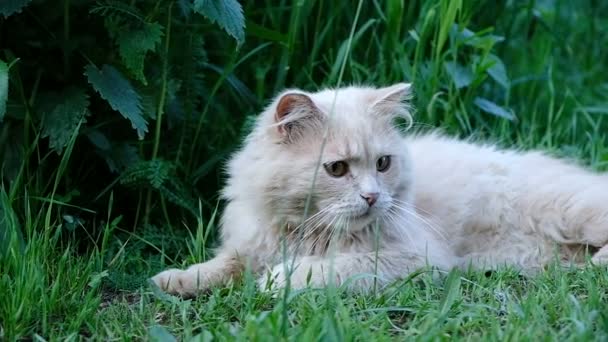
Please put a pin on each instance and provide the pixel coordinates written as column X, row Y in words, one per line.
column 441, row 202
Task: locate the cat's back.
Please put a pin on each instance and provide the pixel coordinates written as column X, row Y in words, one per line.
column 453, row 170
column 436, row 157
column 454, row 181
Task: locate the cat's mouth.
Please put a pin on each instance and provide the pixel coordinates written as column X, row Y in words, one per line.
column 363, row 216
column 368, row 215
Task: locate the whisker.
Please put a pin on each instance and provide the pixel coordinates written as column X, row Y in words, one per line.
column 326, row 234
column 426, row 223
column 312, row 229
column 417, row 209
column 311, row 218
column 391, row 219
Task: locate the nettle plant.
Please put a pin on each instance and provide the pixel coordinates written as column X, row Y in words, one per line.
column 136, row 101
column 115, row 89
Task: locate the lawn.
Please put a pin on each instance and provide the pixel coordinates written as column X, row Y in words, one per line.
column 116, row 119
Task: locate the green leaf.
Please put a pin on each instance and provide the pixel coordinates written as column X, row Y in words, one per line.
column 121, row 157
column 462, row 76
column 59, row 124
column 493, row 108
column 452, row 291
column 344, row 48
column 228, row 14
column 97, row 278
column 134, row 44
column 3, row 88
column 485, row 42
column 266, row 33
column 478, row 40
column 11, row 236
column 160, row 334
column 119, row 93
column 498, row 72
column 204, row 336
column 154, row 173
column 112, row 9
column 185, row 6
column 9, row 7
column 99, row 140
column 600, row 109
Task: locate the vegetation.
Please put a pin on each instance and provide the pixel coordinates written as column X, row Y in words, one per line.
column 116, row 117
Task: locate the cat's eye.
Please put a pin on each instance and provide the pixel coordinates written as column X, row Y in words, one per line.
column 336, row 169
column 383, row 163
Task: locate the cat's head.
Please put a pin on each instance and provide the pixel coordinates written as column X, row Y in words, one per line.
column 346, row 140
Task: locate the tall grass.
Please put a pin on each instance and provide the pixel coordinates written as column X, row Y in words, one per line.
column 77, row 241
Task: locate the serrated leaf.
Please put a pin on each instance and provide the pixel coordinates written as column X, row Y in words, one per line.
column 9, row 7
column 498, row 72
column 185, row 6
column 493, row 108
column 134, row 44
column 118, row 8
column 462, row 76
column 120, row 94
column 3, row 88
column 152, row 172
column 59, row 124
column 148, row 102
column 228, row 14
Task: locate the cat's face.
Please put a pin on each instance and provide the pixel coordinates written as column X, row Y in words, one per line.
column 361, row 179
column 363, row 173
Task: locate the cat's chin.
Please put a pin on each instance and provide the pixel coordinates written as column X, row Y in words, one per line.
column 361, row 221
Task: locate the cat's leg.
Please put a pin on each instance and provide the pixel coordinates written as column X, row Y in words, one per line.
column 601, row 256
column 200, row 277
column 244, row 245
column 565, row 203
column 573, row 216
column 366, row 270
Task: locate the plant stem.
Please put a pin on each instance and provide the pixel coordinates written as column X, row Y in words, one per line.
column 163, row 91
column 160, row 109
column 66, row 38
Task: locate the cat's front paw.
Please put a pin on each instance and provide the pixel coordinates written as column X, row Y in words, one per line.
column 178, row 282
column 306, row 272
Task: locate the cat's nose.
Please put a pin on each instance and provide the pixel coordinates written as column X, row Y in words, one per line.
column 370, row 197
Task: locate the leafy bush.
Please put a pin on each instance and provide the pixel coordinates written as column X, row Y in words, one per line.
column 114, row 79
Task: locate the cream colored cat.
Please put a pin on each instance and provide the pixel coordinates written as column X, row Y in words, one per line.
column 383, row 205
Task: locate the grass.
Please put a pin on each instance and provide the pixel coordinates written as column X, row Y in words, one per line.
column 61, row 278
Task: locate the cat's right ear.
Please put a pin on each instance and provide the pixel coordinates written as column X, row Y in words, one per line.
column 295, row 113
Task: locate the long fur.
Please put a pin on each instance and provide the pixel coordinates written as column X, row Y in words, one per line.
column 443, row 202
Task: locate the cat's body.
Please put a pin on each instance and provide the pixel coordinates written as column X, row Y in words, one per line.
column 504, row 207
column 384, row 204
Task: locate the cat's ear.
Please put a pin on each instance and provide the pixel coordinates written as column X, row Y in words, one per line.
column 295, row 113
column 393, row 101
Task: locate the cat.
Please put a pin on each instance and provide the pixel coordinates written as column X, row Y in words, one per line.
column 328, row 189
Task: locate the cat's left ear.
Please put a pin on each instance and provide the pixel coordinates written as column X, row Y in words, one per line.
column 295, row 115
column 393, row 100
